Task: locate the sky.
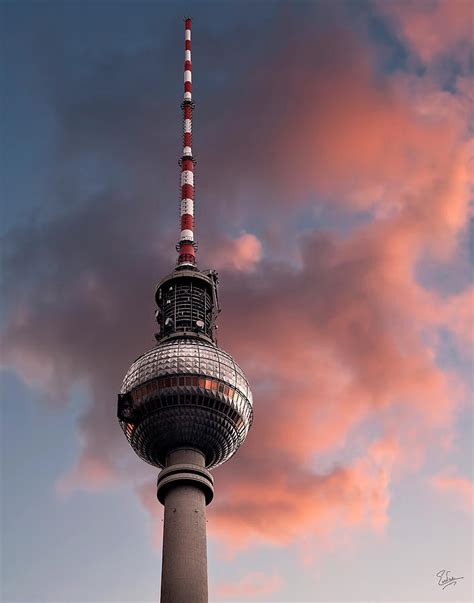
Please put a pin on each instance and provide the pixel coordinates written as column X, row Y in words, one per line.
column 333, row 196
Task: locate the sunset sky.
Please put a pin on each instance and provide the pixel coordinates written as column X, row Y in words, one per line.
column 333, row 197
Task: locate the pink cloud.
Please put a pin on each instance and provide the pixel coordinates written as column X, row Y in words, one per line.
column 146, row 492
column 432, row 27
column 91, row 474
column 346, row 340
column 284, row 503
column 459, row 317
column 254, row 584
column 458, row 489
column 241, row 254
column 381, row 153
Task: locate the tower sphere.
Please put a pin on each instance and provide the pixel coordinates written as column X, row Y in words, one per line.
column 186, row 392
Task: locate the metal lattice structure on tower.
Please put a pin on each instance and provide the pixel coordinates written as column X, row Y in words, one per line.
column 185, row 406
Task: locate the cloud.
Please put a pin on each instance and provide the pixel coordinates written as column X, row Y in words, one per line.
column 459, row 316
column 347, row 352
column 146, row 493
column 241, row 254
column 459, row 489
column 298, row 502
column 432, row 28
column 89, row 474
column 254, row 584
column 337, row 348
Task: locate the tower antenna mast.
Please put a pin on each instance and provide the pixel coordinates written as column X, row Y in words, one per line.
column 186, row 246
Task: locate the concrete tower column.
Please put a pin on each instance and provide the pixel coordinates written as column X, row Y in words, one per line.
column 185, row 487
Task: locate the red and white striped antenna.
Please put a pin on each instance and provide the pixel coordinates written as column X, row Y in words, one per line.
column 187, row 246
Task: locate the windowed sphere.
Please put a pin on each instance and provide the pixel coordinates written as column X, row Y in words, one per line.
column 185, row 391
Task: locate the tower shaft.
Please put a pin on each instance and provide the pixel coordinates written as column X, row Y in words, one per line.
column 184, row 487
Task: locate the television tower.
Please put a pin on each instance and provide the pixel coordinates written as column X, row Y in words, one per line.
column 185, row 405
